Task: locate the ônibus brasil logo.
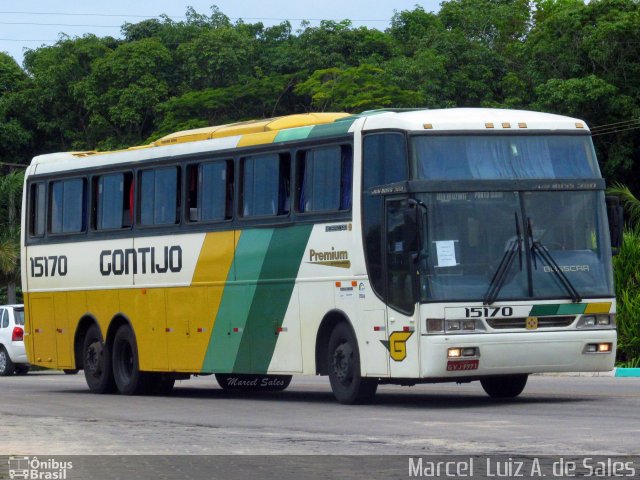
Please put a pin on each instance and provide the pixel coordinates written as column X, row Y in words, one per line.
column 35, row 469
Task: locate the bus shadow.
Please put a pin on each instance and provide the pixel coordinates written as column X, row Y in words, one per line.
column 431, row 400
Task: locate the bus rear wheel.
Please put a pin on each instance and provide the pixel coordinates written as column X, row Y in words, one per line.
column 97, row 362
column 348, row 386
column 505, row 386
column 126, row 369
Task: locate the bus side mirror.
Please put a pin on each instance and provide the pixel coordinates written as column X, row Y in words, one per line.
column 615, row 214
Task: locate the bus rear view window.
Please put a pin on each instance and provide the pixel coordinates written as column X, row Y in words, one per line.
column 210, row 191
column 324, row 179
column 37, row 210
column 67, row 206
column 114, row 197
column 265, row 185
column 159, row 196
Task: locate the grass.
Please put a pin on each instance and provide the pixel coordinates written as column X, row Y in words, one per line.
column 627, row 280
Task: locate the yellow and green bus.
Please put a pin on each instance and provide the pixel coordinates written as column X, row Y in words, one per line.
column 391, row 246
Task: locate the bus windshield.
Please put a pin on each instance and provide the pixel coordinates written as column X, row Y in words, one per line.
column 469, row 234
column 495, row 157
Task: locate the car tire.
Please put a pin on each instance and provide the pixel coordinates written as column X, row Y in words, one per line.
column 97, row 362
column 7, row 367
column 126, row 368
column 348, row 386
column 505, row 386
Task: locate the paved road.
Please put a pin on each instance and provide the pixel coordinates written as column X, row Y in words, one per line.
column 46, row 413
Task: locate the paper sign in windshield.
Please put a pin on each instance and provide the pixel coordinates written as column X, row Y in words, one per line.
column 446, row 252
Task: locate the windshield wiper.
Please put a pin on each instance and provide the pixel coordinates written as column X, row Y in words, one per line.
column 503, row 268
column 538, row 248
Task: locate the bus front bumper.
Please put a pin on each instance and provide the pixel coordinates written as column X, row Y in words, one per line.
column 512, row 353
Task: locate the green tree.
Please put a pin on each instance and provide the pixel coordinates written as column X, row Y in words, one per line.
column 123, row 90
column 354, row 89
column 10, row 201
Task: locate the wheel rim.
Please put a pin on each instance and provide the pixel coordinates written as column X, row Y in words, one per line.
column 343, row 363
column 92, row 359
column 3, row 361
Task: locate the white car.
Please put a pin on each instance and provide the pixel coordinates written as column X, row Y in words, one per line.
column 13, row 357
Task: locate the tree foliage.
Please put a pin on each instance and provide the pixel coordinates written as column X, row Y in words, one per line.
column 564, row 56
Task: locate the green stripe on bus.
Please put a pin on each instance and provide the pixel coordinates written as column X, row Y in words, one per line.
column 571, row 308
column 331, row 129
column 231, row 319
column 293, row 134
column 541, row 310
column 271, row 299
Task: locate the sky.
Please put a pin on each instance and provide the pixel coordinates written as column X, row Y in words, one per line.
column 29, row 24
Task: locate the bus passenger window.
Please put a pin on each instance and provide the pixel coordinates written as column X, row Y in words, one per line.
column 113, row 201
column 159, row 196
column 210, row 191
column 37, row 210
column 67, row 206
column 265, row 185
column 324, row 179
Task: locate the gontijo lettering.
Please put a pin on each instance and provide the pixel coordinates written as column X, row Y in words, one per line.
column 126, row 261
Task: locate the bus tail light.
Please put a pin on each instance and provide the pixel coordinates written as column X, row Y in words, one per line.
column 18, row 334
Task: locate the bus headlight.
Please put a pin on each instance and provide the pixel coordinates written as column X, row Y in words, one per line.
column 596, row 321
column 464, row 326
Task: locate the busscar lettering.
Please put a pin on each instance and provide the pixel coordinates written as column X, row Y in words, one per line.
column 129, row 260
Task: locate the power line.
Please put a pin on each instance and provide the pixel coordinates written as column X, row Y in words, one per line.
column 608, row 132
column 13, row 165
column 609, row 125
column 183, row 17
column 60, row 24
column 82, row 14
column 26, row 40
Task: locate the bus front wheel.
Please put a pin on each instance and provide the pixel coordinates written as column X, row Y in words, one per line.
column 126, row 369
column 505, row 386
column 97, row 362
column 348, row 386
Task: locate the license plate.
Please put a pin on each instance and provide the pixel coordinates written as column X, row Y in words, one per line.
column 462, row 365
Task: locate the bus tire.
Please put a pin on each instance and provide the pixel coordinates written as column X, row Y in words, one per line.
column 348, row 386
column 97, row 362
column 126, row 368
column 7, row 367
column 70, row 371
column 505, row 386
column 22, row 369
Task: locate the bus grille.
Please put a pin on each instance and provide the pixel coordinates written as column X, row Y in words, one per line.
column 521, row 322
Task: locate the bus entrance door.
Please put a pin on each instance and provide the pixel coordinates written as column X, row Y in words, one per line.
column 401, row 244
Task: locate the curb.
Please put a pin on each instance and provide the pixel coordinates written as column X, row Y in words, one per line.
column 627, row 372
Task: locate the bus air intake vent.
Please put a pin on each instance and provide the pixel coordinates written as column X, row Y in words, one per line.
column 521, row 322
